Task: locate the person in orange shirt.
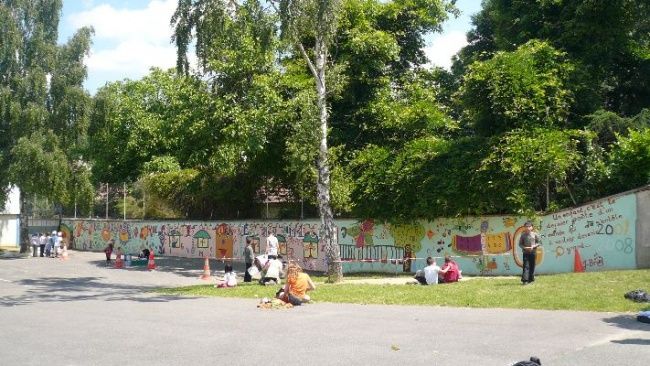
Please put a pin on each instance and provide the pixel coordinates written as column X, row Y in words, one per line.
column 298, row 283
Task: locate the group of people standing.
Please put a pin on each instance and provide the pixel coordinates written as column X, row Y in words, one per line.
column 48, row 245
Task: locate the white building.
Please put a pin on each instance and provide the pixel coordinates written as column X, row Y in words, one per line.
column 10, row 220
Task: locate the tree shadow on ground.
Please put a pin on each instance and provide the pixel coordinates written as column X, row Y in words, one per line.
column 638, row 341
column 627, row 321
column 61, row 289
column 186, row 267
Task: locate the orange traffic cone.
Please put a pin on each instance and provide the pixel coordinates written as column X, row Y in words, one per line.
column 577, row 262
column 206, row 270
column 152, row 264
column 64, row 254
column 119, row 263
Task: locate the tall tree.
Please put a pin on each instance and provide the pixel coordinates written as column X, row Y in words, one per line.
column 316, row 20
column 304, row 23
column 43, row 107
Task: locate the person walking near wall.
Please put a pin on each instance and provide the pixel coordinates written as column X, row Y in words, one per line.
column 42, row 240
column 272, row 246
column 35, row 243
column 249, row 257
column 49, row 244
column 528, row 242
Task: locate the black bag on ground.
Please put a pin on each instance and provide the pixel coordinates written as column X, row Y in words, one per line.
column 637, row 296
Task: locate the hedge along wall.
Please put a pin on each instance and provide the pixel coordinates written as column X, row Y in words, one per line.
column 603, row 232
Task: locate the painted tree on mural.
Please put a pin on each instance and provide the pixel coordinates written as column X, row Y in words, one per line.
column 43, row 107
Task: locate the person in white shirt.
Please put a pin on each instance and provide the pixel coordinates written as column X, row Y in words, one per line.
column 35, row 243
column 42, row 241
column 272, row 246
column 429, row 275
column 58, row 240
column 229, row 278
column 271, row 272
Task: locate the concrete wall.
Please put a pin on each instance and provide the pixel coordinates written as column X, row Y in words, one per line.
column 603, row 232
column 9, row 220
column 9, row 231
column 643, row 229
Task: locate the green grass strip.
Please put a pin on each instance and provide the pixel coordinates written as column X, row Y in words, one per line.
column 596, row 291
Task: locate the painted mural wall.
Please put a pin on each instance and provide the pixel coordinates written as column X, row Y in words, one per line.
column 603, row 232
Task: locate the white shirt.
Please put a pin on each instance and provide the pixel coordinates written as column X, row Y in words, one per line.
column 272, row 245
column 34, row 240
column 275, row 267
column 230, row 279
column 43, row 240
column 431, row 274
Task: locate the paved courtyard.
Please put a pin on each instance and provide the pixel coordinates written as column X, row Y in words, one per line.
column 78, row 312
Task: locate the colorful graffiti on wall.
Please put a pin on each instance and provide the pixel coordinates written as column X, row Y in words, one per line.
column 602, row 231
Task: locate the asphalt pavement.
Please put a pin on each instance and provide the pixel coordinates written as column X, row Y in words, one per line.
column 79, row 312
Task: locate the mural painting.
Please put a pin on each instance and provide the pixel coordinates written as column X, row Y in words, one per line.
column 603, row 232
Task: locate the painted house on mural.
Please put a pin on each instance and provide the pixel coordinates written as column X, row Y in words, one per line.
column 10, row 220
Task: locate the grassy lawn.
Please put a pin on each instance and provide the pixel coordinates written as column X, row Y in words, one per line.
column 598, row 291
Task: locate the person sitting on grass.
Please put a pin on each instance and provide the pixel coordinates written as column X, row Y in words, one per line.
column 450, row 271
column 428, row 275
column 229, row 278
column 298, row 283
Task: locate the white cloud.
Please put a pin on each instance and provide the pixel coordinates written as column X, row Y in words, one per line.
column 150, row 24
column 128, row 42
column 443, row 47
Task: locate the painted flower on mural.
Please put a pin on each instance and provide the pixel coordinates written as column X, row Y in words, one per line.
column 106, row 234
column 363, row 233
column 144, row 232
column 124, row 235
column 79, row 228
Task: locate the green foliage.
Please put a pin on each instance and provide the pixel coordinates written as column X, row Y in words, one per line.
column 630, row 160
column 43, row 107
column 607, row 39
column 40, row 167
column 532, row 159
column 520, row 89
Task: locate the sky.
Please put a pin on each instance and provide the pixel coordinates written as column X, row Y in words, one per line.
column 133, row 35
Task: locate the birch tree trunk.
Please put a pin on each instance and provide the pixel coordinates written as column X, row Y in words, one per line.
column 334, row 270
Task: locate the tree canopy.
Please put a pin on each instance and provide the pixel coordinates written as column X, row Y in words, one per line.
column 547, row 106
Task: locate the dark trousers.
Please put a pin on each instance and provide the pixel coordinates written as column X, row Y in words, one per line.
column 528, row 273
column 42, row 250
column 247, row 276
